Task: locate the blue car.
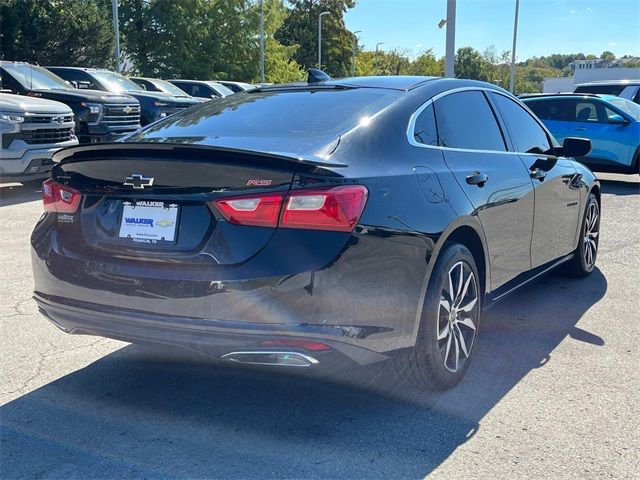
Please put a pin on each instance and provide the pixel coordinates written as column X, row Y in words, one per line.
column 611, row 123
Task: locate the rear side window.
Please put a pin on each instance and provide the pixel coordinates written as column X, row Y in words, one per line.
column 559, row 110
column 186, row 87
column 465, row 120
column 425, row 128
column 526, row 133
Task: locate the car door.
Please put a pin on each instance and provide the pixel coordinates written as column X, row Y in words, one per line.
column 611, row 142
column 557, row 196
column 495, row 181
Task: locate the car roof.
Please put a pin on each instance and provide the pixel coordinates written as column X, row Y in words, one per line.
column 149, row 79
column 610, row 82
column 533, row 96
column 395, row 82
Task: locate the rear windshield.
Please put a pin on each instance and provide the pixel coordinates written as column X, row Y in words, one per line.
column 279, row 113
column 601, row 89
column 35, row 78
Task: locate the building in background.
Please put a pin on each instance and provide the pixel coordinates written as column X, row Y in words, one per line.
column 590, row 71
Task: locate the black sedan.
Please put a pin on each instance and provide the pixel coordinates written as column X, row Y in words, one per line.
column 355, row 220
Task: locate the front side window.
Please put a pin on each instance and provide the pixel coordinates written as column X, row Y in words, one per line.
column 465, row 120
column 202, row 91
column 425, row 127
column 591, row 112
column 526, row 133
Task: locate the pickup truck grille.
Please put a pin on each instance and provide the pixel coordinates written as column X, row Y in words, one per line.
column 47, row 135
column 42, row 129
column 121, row 114
column 49, row 118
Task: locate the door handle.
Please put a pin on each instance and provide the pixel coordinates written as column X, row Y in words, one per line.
column 478, row 179
column 579, row 129
column 537, row 174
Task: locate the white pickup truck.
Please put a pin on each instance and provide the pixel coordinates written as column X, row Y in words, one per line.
column 32, row 130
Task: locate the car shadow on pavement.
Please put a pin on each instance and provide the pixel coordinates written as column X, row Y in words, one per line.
column 16, row 193
column 621, row 187
column 139, row 414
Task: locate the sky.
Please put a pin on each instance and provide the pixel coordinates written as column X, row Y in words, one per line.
column 545, row 26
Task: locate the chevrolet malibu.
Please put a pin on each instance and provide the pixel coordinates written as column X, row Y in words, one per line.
column 356, row 220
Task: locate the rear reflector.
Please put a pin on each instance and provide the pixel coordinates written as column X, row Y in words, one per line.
column 337, row 209
column 60, row 198
column 305, row 344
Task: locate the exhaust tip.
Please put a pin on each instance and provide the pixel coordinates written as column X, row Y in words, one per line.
column 283, row 359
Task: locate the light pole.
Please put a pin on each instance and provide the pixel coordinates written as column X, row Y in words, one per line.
column 512, row 77
column 377, row 62
column 116, row 28
column 449, row 66
column 262, row 41
column 320, row 38
column 353, row 58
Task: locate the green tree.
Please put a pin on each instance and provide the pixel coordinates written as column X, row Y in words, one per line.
column 469, row 63
column 301, row 28
column 49, row 32
column 280, row 65
column 607, row 55
column 427, row 64
column 200, row 39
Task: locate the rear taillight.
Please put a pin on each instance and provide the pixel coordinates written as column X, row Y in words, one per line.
column 257, row 211
column 60, row 198
column 337, row 209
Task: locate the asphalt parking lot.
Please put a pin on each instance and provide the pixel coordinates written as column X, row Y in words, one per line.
column 553, row 391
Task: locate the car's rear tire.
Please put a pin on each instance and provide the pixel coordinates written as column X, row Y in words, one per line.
column 449, row 323
column 584, row 259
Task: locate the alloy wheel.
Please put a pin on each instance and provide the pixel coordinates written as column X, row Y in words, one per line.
column 457, row 316
column 590, row 238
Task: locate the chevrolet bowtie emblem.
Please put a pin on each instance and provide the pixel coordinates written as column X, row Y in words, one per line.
column 138, row 181
column 127, row 109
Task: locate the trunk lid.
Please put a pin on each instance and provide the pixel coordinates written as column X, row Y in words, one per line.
column 152, row 202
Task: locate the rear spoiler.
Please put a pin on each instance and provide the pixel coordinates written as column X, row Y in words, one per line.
column 307, row 163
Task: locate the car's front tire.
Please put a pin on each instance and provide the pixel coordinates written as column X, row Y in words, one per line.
column 584, row 259
column 449, row 322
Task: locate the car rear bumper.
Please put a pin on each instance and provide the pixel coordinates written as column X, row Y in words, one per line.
column 364, row 298
column 211, row 337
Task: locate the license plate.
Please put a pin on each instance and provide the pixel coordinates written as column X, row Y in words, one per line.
column 149, row 222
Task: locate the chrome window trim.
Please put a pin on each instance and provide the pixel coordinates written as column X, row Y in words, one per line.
column 414, row 116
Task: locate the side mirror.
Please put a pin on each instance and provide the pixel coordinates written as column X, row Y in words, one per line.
column 576, row 147
column 617, row 120
column 83, row 85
